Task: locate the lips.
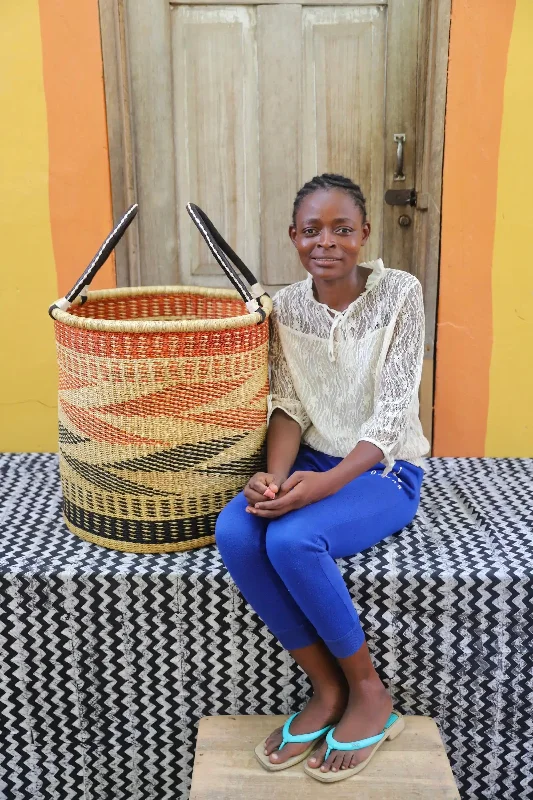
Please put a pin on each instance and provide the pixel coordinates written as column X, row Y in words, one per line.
column 325, row 261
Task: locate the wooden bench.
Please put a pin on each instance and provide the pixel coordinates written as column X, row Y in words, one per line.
column 412, row 767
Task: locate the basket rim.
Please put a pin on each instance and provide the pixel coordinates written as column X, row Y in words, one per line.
column 160, row 326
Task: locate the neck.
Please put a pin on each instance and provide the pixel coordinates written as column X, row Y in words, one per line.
column 341, row 293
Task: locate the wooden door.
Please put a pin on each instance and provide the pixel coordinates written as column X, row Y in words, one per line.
column 234, row 106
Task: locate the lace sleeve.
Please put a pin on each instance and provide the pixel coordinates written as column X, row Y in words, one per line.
column 398, row 377
column 282, row 392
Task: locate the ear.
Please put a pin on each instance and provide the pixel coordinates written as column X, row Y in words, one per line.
column 292, row 234
column 366, row 232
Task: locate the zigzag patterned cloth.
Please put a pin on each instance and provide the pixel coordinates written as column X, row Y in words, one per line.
column 108, row 660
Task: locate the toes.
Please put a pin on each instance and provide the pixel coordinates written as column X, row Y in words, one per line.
column 336, row 763
column 330, row 762
column 326, row 766
column 275, row 755
column 273, row 742
column 346, row 760
column 279, row 757
column 317, row 757
column 353, row 761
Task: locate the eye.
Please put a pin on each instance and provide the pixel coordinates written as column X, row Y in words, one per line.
column 344, row 230
column 310, row 231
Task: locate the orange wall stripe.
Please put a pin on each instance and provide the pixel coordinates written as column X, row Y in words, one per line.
column 479, row 43
column 79, row 180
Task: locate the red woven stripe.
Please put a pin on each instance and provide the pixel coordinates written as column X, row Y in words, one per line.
column 67, row 381
column 161, row 345
column 241, row 418
column 101, row 431
column 261, row 394
column 175, row 400
column 147, row 306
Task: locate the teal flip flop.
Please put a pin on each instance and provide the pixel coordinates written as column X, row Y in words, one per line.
column 287, row 738
column 393, row 727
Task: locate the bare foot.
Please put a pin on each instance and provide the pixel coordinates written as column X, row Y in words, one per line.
column 321, row 710
column 365, row 716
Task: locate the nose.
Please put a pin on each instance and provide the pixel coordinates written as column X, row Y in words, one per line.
column 326, row 238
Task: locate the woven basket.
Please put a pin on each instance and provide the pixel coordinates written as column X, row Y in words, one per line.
column 162, row 407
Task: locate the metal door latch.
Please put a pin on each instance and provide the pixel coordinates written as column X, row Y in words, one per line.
column 399, row 138
column 400, row 197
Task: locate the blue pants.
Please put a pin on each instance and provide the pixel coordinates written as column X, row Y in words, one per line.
column 285, row 567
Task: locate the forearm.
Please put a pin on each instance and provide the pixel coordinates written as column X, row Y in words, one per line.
column 283, row 442
column 364, row 456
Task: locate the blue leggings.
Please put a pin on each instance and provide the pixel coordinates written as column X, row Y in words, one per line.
column 285, row 568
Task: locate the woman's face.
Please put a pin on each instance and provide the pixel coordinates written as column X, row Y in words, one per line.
column 329, row 234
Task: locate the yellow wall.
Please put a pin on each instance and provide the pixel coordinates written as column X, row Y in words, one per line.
column 510, row 423
column 55, row 206
column 28, row 271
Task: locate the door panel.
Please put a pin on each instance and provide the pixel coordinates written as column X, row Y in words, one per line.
column 401, row 97
column 280, row 58
column 235, row 106
column 344, row 101
column 216, row 131
column 148, row 56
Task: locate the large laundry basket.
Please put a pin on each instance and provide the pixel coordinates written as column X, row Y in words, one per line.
column 162, row 403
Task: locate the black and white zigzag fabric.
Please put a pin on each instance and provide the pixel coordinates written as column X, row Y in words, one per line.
column 108, row 660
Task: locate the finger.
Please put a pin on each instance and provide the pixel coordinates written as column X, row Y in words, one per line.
column 265, row 514
column 282, row 504
column 270, row 492
column 293, row 481
column 252, row 509
column 258, row 485
column 253, row 497
column 283, row 500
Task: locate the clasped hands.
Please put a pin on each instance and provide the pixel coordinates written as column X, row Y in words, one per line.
column 282, row 496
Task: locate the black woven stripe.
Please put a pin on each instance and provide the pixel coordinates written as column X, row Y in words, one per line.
column 138, row 531
column 245, row 466
column 178, row 458
column 67, row 437
column 108, row 481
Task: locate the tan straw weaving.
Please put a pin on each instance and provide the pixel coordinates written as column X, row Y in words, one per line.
column 162, row 411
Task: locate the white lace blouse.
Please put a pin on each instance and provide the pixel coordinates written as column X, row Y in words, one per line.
column 354, row 375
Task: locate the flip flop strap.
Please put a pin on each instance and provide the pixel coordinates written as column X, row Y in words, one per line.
column 360, row 744
column 300, row 738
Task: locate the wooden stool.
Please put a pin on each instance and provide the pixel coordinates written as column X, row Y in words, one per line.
column 412, row 767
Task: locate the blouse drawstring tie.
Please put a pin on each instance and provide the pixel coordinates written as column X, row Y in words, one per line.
column 331, row 340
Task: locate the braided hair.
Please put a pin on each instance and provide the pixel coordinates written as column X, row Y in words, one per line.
column 330, row 181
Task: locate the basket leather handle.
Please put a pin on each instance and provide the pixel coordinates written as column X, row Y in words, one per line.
column 106, row 248
column 224, row 254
